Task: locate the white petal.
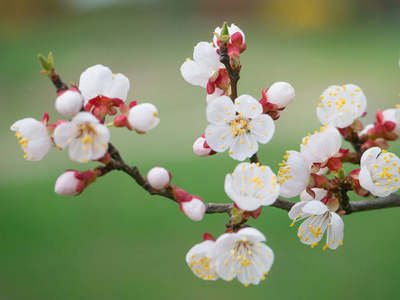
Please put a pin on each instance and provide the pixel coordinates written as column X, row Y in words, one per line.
column 206, row 55
column 335, row 231
column 194, row 73
column 218, row 137
column 84, row 117
column 368, row 158
column 94, row 81
column 118, row 87
column 297, row 210
column 79, row 152
column 252, row 234
column 248, row 106
column 221, row 110
column 64, row 134
column 315, row 207
column 262, row 128
column 243, row 146
column 319, row 194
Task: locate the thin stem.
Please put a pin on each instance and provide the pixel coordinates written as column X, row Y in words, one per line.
column 234, row 75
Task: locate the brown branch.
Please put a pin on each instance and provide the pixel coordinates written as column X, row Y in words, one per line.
column 392, row 200
column 234, row 75
column 211, row 208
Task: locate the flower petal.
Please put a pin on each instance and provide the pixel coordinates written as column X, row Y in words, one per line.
column 221, row 110
column 262, row 128
column 248, row 106
column 218, row 137
column 118, row 87
column 94, row 81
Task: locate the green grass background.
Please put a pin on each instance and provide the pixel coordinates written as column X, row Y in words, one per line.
column 117, row 242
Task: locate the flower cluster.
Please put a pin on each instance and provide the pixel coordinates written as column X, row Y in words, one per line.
column 85, row 135
column 238, row 124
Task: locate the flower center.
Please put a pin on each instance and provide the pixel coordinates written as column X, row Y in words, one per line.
column 240, row 125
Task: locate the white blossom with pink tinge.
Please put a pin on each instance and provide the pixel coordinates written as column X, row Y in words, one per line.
column 321, row 146
column 380, row 172
column 341, row 105
column 293, row 175
column 33, row 137
column 204, row 65
column 200, row 260
column 238, row 126
column 320, row 219
column 100, row 81
column 86, row 138
column 243, row 255
column 251, row 186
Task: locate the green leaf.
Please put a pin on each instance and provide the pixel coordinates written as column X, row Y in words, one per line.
column 44, row 63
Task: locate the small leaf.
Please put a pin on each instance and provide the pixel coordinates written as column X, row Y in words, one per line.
column 44, row 63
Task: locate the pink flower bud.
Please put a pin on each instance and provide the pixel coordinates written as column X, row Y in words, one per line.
column 281, row 94
column 72, row 183
column 194, row 208
column 143, row 117
column 201, row 148
column 159, row 178
column 69, row 102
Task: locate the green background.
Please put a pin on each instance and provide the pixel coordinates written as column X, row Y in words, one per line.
column 117, row 242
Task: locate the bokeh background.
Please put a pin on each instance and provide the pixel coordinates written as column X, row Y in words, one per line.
column 117, row 242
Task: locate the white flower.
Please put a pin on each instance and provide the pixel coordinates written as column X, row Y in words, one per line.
column 143, row 117
column 86, row 138
column 158, row 178
column 100, row 81
column 238, row 126
column 293, row 175
column 251, row 186
column 199, row 258
column 243, row 255
column 69, row 102
column 393, row 115
column 319, row 220
column 321, row 146
column 341, row 105
column 379, row 172
column 194, row 209
column 231, row 30
column 205, row 64
column 281, row 94
column 33, row 137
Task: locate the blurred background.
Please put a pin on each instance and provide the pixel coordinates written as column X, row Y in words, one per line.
column 117, row 242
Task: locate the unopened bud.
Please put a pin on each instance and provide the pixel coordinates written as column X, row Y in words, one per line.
column 159, row 178
column 280, row 94
column 194, row 208
column 143, row 117
column 69, row 102
column 72, row 183
column 201, row 148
